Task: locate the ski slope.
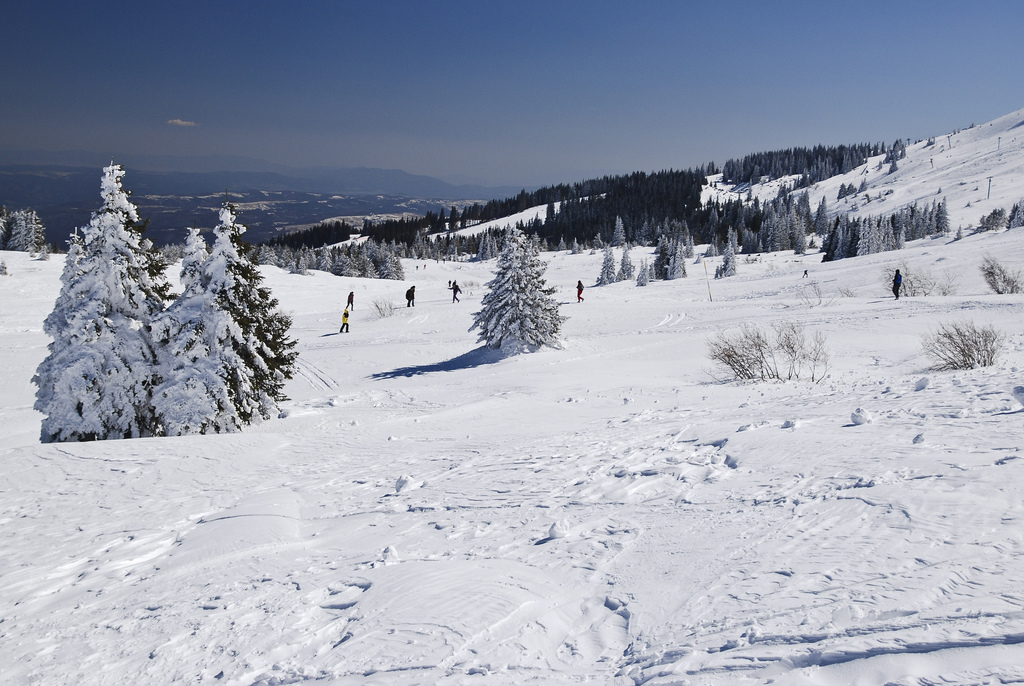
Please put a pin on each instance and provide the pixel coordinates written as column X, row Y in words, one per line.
column 615, row 511
column 956, row 167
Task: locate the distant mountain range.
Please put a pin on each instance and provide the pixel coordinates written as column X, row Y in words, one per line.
column 175, row 192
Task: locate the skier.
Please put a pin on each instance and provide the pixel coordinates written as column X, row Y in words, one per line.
column 351, row 300
column 344, row 321
column 579, row 291
column 897, row 281
column 455, row 291
column 410, row 297
column 805, row 275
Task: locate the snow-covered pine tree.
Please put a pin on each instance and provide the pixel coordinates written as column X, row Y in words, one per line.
column 821, row 219
column 619, row 235
column 196, row 358
column 728, row 267
column 26, row 232
column 4, row 227
column 95, row 383
column 676, row 264
column 1016, row 215
column 518, row 311
column 642, row 274
column 260, row 338
column 625, row 265
column 607, row 274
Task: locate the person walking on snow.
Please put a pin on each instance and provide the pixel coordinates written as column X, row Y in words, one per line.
column 897, row 281
column 455, row 291
column 579, row 291
column 351, row 300
column 410, row 297
column 344, row 321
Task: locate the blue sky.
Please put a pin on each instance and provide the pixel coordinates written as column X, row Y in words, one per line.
column 517, row 93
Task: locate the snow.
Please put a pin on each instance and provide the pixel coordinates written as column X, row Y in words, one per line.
column 427, row 511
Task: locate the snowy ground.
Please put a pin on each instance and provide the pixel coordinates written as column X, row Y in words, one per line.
column 426, row 512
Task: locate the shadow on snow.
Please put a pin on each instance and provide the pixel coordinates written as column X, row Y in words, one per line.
column 474, row 358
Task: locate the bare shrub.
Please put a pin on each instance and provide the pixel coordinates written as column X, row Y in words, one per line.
column 383, row 308
column 1000, row 279
column 918, row 281
column 963, row 345
column 785, row 353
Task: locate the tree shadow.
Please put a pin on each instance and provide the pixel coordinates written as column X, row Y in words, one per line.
column 474, row 358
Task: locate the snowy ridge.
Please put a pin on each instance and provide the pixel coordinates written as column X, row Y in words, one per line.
column 955, row 167
column 427, row 511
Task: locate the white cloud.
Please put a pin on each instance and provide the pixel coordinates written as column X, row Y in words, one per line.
column 181, row 122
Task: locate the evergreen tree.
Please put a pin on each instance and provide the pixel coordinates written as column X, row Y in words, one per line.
column 728, row 266
column 643, row 274
column 619, row 236
column 26, row 232
column 676, row 264
column 95, row 383
column 518, row 310
column 259, row 336
column 821, row 219
column 195, row 354
column 607, row 274
column 4, row 227
column 1016, row 215
column 625, row 265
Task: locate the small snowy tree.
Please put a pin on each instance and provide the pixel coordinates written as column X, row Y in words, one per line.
column 4, row 226
column 642, row 274
column 27, row 233
column 625, row 265
column 619, row 235
column 518, row 311
column 607, row 274
column 95, row 383
column 728, row 266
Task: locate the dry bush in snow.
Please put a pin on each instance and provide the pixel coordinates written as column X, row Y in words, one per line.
column 918, row 281
column 1000, row 279
column 963, row 345
column 784, row 353
column 383, row 308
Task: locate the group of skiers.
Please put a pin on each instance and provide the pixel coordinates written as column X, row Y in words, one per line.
column 410, row 301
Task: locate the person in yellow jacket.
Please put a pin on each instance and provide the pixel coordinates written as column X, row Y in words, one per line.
column 344, row 321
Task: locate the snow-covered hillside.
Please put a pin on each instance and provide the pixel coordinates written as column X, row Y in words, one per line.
column 428, row 512
column 955, row 166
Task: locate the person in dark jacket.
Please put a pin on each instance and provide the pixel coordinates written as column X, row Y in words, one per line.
column 455, row 292
column 410, row 297
column 351, row 300
column 897, row 281
column 579, row 291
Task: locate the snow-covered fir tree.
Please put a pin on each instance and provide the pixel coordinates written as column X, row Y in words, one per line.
column 642, row 274
column 676, row 264
column 260, row 335
column 518, row 312
column 619, row 235
column 26, row 232
column 95, row 383
column 607, row 274
column 4, row 227
column 194, row 353
column 728, row 266
column 625, row 272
